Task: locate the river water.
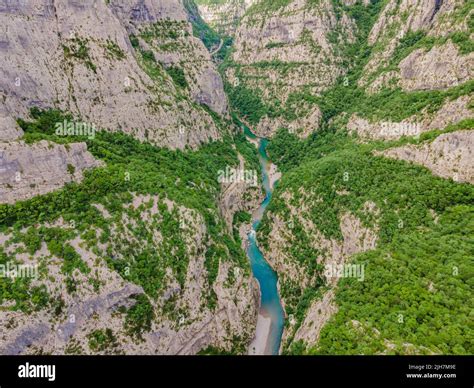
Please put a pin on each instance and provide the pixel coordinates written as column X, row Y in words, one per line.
column 271, row 310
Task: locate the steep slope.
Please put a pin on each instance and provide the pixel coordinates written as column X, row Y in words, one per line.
column 77, row 56
column 450, row 155
column 116, row 235
column 346, row 199
column 359, row 240
column 427, row 40
column 136, row 258
column 285, row 54
column 420, row 55
column 223, row 15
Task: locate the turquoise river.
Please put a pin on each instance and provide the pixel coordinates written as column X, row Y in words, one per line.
column 267, row 278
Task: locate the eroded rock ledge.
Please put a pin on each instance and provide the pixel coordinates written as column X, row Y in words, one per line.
column 30, row 170
column 450, row 155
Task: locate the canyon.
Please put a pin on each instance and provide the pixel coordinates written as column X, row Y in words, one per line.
column 364, row 108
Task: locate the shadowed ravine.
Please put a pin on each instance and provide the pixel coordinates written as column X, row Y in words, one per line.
column 271, row 317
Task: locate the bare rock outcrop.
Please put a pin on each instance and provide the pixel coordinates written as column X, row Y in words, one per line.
column 316, row 317
column 224, row 16
column 288, row 52
column 439, row 67
column 30, row 170
column 77, row 56
column 421, row 14
column 239, row 193
column 332, row 252
column 175, row 45
column 450, row 155
column 9, row 130
column 352, row 2
column 356, row 239
column 306, row 123
column 194, row 325
column 451, row 112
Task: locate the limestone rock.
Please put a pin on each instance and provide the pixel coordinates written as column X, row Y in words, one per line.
column 450, row 155
column 333, row 252
column 235, row 194
column 29, row 170
column 451, row 112
column 288, row 52
column 9, row 130
column 198, row 326
column 316, row 317
column 77, row 56
column 440, row 68
column 224, row 16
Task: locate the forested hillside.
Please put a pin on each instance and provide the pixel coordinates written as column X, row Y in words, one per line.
column 109, row 185
column 144, row 225
column 345, row 198
column 118, row 119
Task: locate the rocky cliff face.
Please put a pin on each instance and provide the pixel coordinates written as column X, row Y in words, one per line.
column 289, row 54
column 135, row 67
column 437, row 63
column 450, row 113
column 294, row 258
column 143, row 273
column 225, row 15
column 240, row 195
column 283, row 54
column 450, row 155
column 30, row 170
column 77, row 56
column 421, row 46
column 182, row 320
column 27, row 170
column 414, row 82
